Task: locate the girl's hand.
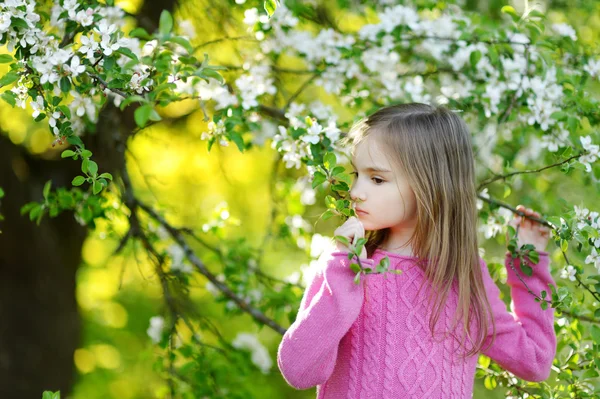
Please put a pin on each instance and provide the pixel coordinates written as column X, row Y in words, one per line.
column 352, row 229
column 530, row 232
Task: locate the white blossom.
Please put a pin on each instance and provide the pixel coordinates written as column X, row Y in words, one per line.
column 75, row 68
column 187, row 28
column 569, row 272
column 85, row 17
column 565, row 30
column 593, row 68
column 594, row 258
column 178, row 263
column 157, row 324
column 259, row 354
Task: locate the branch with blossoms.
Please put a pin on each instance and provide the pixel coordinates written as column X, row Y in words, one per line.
column 178, row 236
column 70, row 81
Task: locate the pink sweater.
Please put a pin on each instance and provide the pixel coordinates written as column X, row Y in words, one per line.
column 372, row 340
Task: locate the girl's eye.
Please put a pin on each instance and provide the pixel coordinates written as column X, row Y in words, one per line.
column 354, row 174
column 377, row 180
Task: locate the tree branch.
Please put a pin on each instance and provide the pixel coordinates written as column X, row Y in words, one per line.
column 177, row 235
column 504, row 177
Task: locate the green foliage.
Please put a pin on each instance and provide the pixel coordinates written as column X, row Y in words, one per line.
column 151, row 82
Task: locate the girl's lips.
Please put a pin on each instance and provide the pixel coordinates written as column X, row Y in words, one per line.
column 361, row 212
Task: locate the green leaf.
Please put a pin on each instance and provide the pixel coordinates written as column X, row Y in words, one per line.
column 337, row 170
column 475, row 57
column 238, row 140
column 343, row 240
column 559, row 116
column 207, row 73
column 544, row 305
column 183, row 42
column 165, row 25
column 327, row 214
column 270, row 6
column 318, row 179
column 36, row 213
column 355, row 267
column 509, row 10
column 357, row 278
column 47, row 187
column 19, row 22
column 534, row 257
column 128, row 53
column 329, row 160
column 78, row 181
column 490, row 382
column 142, row 114
column 564, row 245
column 106, row 176
column 130, row 100
column 140, row 33
column 9, row 78
column 595, row 331
column 6, row 58
column 96, row 187
column 92, row 168
column 526, row 269
column 65, row 84
column 10, row 97
column 75, row 141
column 65, row 110
column 1, row 193
column 511, row 231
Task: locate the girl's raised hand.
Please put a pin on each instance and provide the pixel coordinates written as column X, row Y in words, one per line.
column 352, row 229
column 530, row 232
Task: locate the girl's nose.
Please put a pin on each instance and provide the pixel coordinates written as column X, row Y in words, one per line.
column 356, row 196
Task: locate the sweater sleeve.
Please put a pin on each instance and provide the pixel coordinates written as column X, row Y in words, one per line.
column 525, row 341
column 331, row 303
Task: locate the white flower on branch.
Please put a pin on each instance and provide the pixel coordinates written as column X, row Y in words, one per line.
column 259, row 354
column 85, row 17
column 88, row 47
column 178, row 261
column 568, row 272
column 75, row 68
column 83, row 105
column 187, row 28
column 554, row 141
column 594, row 258
column 593, row 68
column 565, row 30
column 157, row 324
column 4, row 21
column 37, row 106
column 254, row 84
column 71, row 7
column 313, row 133
column 592, row 155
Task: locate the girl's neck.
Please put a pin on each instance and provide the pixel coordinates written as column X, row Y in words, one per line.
column 398, row 243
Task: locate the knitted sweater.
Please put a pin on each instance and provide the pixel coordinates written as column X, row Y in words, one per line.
column 372, row 340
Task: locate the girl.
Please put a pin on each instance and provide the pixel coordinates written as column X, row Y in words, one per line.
column 416, row 334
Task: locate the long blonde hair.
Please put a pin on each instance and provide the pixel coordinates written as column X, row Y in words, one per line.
column 432, row 146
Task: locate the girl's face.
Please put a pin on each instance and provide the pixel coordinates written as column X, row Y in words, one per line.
column 381, row 190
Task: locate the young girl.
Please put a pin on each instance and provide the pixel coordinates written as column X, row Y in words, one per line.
column 416, row 334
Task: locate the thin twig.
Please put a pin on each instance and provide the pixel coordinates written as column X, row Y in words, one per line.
column 504, row 177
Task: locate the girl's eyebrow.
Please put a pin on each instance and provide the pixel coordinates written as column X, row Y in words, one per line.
column 373, row 168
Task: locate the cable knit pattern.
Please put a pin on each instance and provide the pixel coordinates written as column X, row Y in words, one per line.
column 354, row 361
column 391, row 340
column 353, row 345
column 372, row 322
